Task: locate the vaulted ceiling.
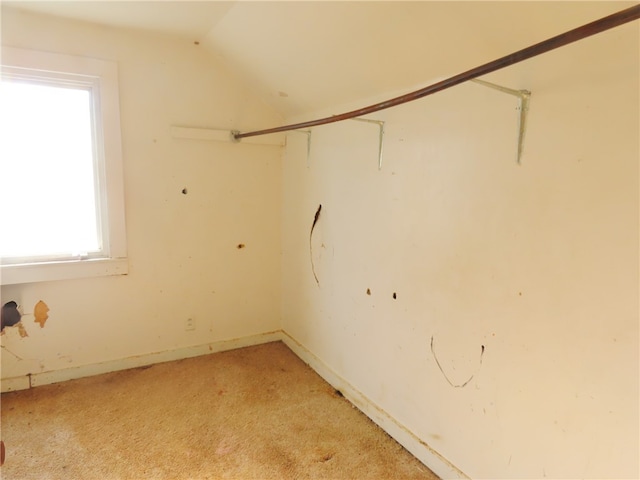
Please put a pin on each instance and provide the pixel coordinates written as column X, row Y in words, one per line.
column 303, row 56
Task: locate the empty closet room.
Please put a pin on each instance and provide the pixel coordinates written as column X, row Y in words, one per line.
column 456, row 273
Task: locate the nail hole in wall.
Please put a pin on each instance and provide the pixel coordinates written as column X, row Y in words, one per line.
column 394, row 295
column 368, row 291
column 184, row 191
column 241, row 245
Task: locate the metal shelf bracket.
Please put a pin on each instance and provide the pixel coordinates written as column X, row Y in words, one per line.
column 380, row 124
column 308, row 134
column 524, row 97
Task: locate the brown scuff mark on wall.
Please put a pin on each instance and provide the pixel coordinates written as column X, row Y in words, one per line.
column 313, row 225
column 21, row 330
column 40, row 312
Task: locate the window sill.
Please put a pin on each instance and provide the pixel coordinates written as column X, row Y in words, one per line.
column 46, row 272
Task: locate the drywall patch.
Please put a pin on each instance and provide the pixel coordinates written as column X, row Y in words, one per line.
column 41, row 313
column 433, row 352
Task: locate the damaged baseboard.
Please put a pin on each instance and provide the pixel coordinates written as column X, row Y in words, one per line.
column 423, row 452
column 45, row 378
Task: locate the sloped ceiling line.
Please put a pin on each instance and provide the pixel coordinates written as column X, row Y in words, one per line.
column 606, row 23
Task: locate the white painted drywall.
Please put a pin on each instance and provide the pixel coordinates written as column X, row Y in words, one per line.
column 183, row 255
column 523, row 279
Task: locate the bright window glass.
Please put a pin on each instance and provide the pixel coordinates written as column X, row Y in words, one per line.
column 47, row 160
column 62, row 212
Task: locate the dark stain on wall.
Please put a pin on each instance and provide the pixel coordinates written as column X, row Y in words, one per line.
column 10, row 314
column 313, row 226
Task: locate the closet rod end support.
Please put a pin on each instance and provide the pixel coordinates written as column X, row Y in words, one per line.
column 233, row 135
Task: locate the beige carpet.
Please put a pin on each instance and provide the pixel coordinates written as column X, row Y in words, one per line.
column 252, row 413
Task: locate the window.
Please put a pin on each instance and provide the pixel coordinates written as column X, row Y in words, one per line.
column 61, row 189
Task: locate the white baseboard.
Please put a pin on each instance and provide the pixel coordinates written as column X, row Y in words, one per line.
column 45, row 378
column 420, row 449
column 13, row 384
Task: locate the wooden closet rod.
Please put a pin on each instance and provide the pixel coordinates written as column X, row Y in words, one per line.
column 605, row 23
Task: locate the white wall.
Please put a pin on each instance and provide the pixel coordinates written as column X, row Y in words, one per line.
column 538, row 263
column 184, row 260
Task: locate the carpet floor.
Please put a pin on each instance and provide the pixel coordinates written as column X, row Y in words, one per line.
column 253, row 413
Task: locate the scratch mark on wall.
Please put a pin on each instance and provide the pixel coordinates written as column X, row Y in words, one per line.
column 40, row 313
column 315, row 220
column 17, row 356
column 445, row 375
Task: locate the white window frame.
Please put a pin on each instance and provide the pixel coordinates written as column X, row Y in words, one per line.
column 102, row 77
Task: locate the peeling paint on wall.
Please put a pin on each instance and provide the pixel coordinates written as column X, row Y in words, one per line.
column 40, row 312
column 21, row 330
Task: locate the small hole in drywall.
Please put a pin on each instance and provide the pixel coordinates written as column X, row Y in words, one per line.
column 184, row 191
column 368, row 291
column 394, row 295
column 241, row 245
column 196, row 43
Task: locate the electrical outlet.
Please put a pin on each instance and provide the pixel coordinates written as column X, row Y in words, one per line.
column 190, row 324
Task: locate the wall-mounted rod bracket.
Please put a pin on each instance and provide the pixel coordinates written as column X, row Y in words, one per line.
column 308, row 134
column 233, row 137
column 605, row 23
column 524, row 96
column 380, row 124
